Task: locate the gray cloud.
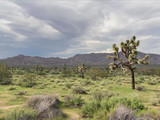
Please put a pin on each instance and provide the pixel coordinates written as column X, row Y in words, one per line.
column 64, row 28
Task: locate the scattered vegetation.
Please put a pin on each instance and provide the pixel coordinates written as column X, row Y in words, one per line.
column 5, row 74
column 84, row 92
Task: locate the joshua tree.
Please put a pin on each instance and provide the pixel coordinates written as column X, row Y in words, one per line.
column 82, row 69
column 55, row 68
column 64, row 68
column 5, row 74
column 129, row 57
column 39, row 69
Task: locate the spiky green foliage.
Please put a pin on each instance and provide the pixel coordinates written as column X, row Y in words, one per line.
column 129, row 51
column 5, row 74
column 39, row 69
column 82, row 69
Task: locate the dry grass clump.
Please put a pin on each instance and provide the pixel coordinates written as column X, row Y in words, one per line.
column 123, row 113
column 46, row 105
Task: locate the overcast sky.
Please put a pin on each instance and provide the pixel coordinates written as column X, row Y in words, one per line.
column 63, row 28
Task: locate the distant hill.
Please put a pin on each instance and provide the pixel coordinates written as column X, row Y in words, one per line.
column 97, row 59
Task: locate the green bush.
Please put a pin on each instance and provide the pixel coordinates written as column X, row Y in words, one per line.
column 68, row 85
column 152, row 82
column 5, row 74
column 106, row 105
column 22, row 115
column 73, row 101
column 98, row 95
column 20, row 72
column 140, row 80
column 86, row 82
column 131, row 103
column 78, row 90
column 67, row 73
column 29, row 80
column 154, row 102
column 89, row 109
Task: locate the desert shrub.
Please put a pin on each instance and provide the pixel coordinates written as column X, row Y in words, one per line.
column 98, row 95
column 158, row 95
column 78, row 90
column 114, row 101
column 5, row 74
column 20, row 72
column 107, row 104
column 158, row 100
column 110, row 94
column 23, row 114
column 55, row 72
column 140, row 80
column 102, row 74
column 41, row 86
column 73, row 101
column 89, row 109
column 67, row 73
column 152, row 82
column 158, row 80
column 68, row 85
column 21, row 93
column 94, row 73
column 123, row 113
column 29, row 80
column 12, row 88
column 41, row 73
column 46, row 105
column 136, row 104
column 86, row 82
column 154, row 102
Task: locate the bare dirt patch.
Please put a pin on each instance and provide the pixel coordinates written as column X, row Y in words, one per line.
column 9, row 107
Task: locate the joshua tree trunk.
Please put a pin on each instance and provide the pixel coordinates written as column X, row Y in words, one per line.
column 133, row 79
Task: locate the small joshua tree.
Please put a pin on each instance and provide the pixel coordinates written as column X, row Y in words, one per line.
column 129, row 59
column 5, row 74
column 64, row 68
column 82, row 69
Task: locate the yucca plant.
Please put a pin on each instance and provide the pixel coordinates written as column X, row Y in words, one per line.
column 128, row 58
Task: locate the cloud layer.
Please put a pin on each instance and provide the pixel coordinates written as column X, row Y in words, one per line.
column 64, row 28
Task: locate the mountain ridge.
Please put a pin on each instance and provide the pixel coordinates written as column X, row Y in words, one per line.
column 96, row 59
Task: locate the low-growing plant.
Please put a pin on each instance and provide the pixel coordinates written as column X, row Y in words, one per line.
column 73, row 101
column 98, row 95
column 123, row 113
column 29, row 80
column 79, row 90
column 12, row 88
column 5, row 74
column 154, row 102
column 46, row 105
column 20, row 72
column 23, row 114
column 89, row 109
column 152, row 82
column 107, row 104
column 68, row 85
column 86, row 82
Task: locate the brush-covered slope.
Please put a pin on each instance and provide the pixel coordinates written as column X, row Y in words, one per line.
column 89, row 59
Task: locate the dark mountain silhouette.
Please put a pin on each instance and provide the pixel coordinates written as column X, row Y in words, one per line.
column 97, row 59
